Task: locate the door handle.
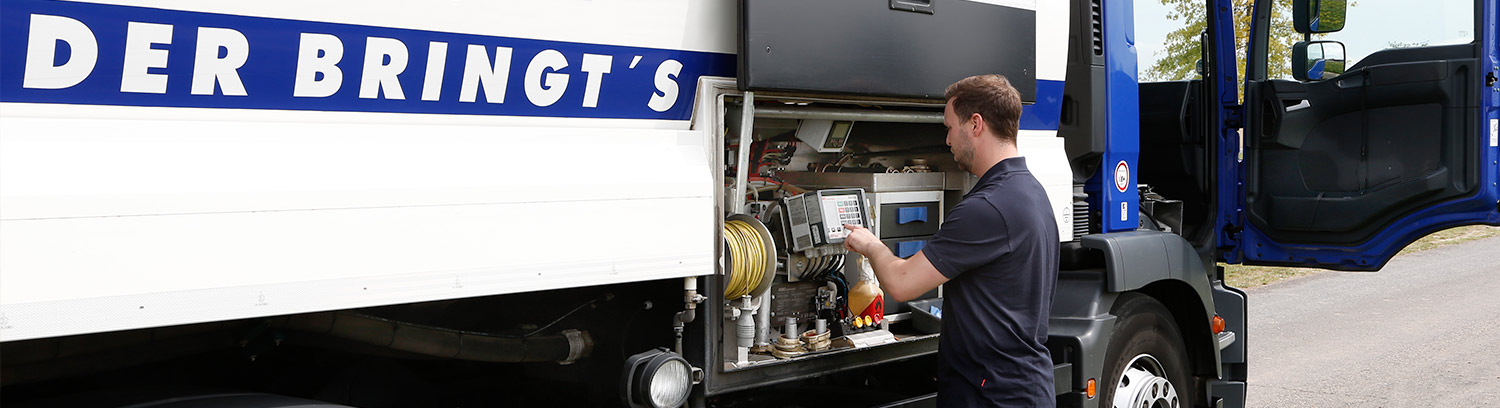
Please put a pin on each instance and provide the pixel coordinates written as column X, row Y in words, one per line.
column 1299, row 106
column 915, row 6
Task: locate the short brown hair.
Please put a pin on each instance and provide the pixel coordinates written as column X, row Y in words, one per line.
column 992, row 97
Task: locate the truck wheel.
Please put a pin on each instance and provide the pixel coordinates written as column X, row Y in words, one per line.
column 1146, row 363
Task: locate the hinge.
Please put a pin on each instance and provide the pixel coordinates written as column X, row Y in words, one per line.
column 1489, row 79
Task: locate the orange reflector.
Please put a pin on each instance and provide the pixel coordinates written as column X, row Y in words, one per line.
column 1091, row 390
column 1218, row 324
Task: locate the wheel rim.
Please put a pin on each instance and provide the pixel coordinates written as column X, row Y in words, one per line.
column 1144, row 384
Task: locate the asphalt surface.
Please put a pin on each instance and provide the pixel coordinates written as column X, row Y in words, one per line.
column 1422, row 332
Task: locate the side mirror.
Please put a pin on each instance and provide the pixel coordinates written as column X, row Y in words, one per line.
column 1318, row 16
column 1317, row 60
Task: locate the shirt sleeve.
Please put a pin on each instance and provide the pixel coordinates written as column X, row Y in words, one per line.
column 972, row 235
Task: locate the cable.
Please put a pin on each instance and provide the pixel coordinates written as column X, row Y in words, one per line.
column 841, row 302
column 605, row 297
column 747, row 258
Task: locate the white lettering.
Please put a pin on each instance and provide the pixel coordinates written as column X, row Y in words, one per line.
column 140, row 57
column 437, row 59
column 41, row 50
column 478, row 72
column 596, row 66
column 318, row 54
column 208, row 68
column 666, row 84
column 377, row 74
column 546, row 92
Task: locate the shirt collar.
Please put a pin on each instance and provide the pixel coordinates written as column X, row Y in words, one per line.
column 1012, row 164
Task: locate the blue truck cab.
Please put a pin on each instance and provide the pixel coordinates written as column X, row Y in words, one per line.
column 1329, row 160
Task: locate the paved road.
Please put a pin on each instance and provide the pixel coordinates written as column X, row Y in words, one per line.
column 1423, row 332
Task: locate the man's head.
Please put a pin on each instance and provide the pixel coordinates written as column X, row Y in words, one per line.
column 981, row 105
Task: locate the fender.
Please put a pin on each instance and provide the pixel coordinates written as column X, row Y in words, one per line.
column 1150, row 261
column 1162, row 265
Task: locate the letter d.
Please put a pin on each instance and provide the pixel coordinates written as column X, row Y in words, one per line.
column 41, row 50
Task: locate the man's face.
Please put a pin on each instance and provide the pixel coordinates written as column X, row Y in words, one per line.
column 959, row 133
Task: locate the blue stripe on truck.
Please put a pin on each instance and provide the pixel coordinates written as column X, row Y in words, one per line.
column 205, row 60
column 1045, row 113
column 96, row 54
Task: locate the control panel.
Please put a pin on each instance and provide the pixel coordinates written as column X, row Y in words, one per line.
column 817, row 218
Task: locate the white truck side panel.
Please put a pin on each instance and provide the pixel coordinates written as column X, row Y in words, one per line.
column 1052, row 41
column 116, row 224
column 120, row 217
column 1047, row 160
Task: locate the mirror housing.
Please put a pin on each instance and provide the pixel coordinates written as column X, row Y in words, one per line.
column 1319, row 16
column 1317, row 60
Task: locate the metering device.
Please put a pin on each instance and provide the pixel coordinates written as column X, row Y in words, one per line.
column 817, row 218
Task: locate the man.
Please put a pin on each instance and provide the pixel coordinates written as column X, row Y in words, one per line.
column 997, row 251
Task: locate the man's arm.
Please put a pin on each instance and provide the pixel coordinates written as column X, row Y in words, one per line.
column 902, row 279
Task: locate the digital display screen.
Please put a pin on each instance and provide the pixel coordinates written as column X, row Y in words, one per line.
column 838, row 135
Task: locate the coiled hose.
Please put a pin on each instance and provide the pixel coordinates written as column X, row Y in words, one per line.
column 747, row 254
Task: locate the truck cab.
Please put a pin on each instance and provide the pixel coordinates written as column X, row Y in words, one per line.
column 1319, row 163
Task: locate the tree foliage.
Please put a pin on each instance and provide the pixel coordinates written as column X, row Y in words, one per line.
column 1181, row 52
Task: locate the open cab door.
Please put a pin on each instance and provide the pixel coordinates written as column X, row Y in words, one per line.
column 1369, row 140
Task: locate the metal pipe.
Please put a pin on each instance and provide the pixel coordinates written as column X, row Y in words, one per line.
column 763, row 320
column 742, row 166
column 691, row 298
column 794, row 112
column 565, row 347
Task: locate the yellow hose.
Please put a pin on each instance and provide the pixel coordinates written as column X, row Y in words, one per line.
column 747, row 255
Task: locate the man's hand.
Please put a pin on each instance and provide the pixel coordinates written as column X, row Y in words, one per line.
column 861, row 240
column 902, row 279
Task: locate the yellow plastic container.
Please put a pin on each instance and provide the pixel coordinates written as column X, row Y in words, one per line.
column 866, row 299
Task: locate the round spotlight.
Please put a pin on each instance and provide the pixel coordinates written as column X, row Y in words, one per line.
column 656, row 378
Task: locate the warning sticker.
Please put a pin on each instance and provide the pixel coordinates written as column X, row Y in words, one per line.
column 1494, row 132
column 1122, row 176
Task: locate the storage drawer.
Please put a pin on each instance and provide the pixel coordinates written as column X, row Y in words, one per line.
column 909, row 219
column 906, row 247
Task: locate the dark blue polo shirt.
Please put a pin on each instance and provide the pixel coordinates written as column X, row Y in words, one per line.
column 998, row 248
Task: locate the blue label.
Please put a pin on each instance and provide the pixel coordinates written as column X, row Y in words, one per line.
column 908, row 248
column 906, row 215
column 79, row 53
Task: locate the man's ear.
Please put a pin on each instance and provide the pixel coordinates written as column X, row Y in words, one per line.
column 977, row 123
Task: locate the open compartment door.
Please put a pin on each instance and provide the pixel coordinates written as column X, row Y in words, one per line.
column 900, row 48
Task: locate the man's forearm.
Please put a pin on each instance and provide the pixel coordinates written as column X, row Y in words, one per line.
column 889, row 271
column 902, row 279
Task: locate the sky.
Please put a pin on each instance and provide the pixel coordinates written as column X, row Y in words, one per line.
column 1371, row 26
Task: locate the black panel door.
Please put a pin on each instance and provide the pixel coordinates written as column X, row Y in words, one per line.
column 1336, row 160
column 863, row 47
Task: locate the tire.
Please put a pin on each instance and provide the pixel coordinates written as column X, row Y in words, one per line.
column 1146, row 365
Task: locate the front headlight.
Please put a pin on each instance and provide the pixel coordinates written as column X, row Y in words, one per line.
column 657, row 379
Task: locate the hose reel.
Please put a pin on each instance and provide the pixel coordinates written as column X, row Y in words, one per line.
column 749, row 257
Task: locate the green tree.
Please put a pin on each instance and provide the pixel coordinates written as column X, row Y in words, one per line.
column 1182, row 49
